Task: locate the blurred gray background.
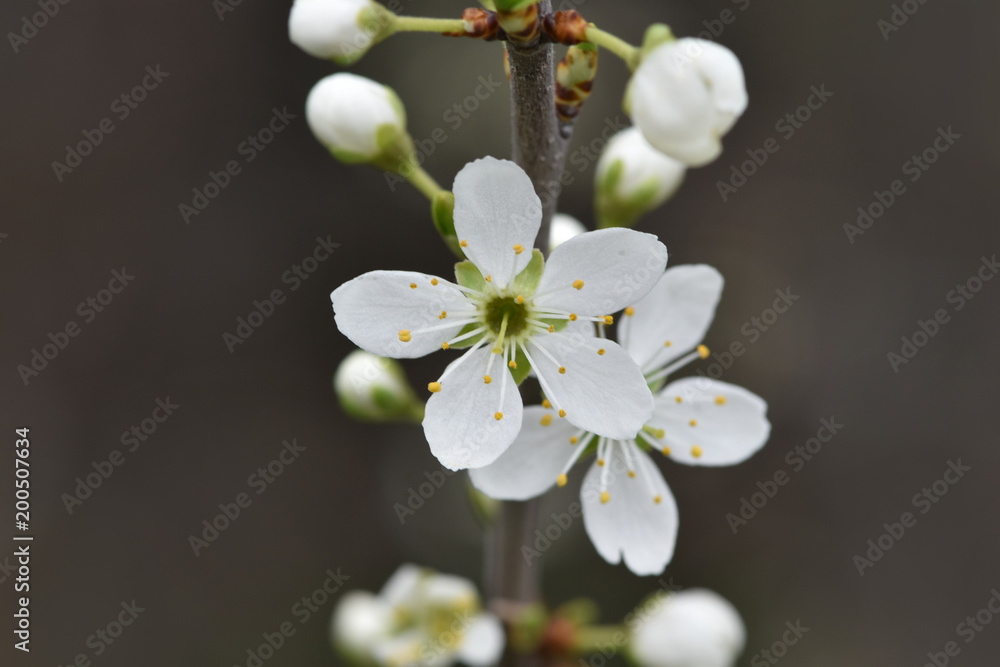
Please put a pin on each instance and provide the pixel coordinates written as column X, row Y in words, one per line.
column 333, row 507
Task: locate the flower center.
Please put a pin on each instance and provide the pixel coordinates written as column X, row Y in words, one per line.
column 506, row 308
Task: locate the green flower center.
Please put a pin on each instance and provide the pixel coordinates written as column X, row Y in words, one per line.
column 506, row 307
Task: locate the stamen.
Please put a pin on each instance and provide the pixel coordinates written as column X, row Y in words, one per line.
column 444, row 314
column 679, row 399
column 720, row 400
column 696, row 451
column 665, row 451
column 703, row 352
column 487, row 379
column 503, row 383
column 458, row 339
column 546, row 420
column 578, row 285
column 630, row 311
column 577, row 453
column 439, row 327
column 546, row 389
column 546, row 403
column 404, row 336
column 561, row 480
column 434, row 281
column 413, row 286
column 601, row 351
column 562, row 413
column 498, row 416
column 434, row 387
column 693, row 422
column 608, row 319
column 458, row 362
column 680, row 363
column 444, row 345
column 605, row 497
column 518, row 249
column 512, row 364
column 463, row 243
column 519, row 299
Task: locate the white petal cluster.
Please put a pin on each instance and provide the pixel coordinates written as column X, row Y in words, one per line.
column 371, row 387
column 347, row 112
column 692, row 628
column 633, row 178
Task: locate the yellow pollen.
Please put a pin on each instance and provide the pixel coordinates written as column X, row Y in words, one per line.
column 552, row 328
column 605, row 497
column 703, row 352
column 665, row 451
column 600, row 462
column 519, row 299
column 657, row 499
column 561, row 480
column 679, row 399
column 463, row 243
column 434, row 281
column 498, row 416
column 608, row 319
column 572, row 317
column 487, row 379
column 404, row 335
column 600, row 351
column 512, row 363
column 434, row 387
column 562, row 370
column 573, row 439
column 518, row 249
column 696, row 452
column 578, row 284
column 668, row 344
column 562, row 413
column 444, row 314
column 546, row 420
column 631, row 474
column 489, row 279
column 546, row 403
column 413, row 286
column 630, row 311
column 720, row 400
column 693, row 422
column 445, row 346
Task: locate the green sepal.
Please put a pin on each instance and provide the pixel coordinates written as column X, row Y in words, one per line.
column 467, row 275
column 512, row 5
column 527, row 281
column 523, row 367
column 656, row 35
column 443, row 215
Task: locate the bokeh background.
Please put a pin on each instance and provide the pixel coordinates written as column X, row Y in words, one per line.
column 334, row 506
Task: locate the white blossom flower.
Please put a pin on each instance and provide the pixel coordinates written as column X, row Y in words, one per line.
column 628, row 510
column 508, row 311
column 633, row 178
column 562, row 228
column 336, row 30
column 692, row 628
column 421, row 618
column 685, row 95
column 352, row 116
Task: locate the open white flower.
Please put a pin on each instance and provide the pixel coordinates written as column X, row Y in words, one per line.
column 338, row 30
column 692, row 628
column 628, row 510
column 508, row 311
column 421, row 618
column 685, row 95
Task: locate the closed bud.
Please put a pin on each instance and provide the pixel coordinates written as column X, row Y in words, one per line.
column 374, row 388
column 685, row 95
column 338, row 30
column 694, row 628
column 633, row 178
column 563, row 228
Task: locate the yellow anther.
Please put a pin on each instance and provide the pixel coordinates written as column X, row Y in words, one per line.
column 578, row 284
column 693, row 422
column 659, row 433
column 631, row 474
column 518, row 249
column 600, row 462
column 679, row 399
column 552, row 328
column 562, row 370
column 546, row 420
column 434, row 387
column 561, row 480
column 573, row 439
column 489, row 279
column 498, row 416
column 600, row 351
column 413, row 286
column 463, row 243
column 720, row 400
column 487, row 379
column 703, row 352
column 608, row 319
column 512, row 363
column 630, row 311
column 657, row 499
column 605, row 497
column 445, row 346
column 668, row 344
column 444, row 314
column 546, row 403
column 572, row 317
column 519, row 299
column 404, row 335
column 696, row 452
column 562, row 413
column 434, row 281
column 665, row 451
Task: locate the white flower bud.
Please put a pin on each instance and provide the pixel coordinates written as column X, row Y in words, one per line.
column 685, row 96
column 562, row 228
column 633, row 178
column 360, row 621
column 339, row 30
column 374, row 388
column 693, row 628
column 354, row 117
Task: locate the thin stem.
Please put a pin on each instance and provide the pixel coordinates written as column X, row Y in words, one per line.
column 616, row 45
column 419, row 24
column 422, row 181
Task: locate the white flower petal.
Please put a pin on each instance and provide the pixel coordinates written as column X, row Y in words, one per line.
column 360, row 621
column 484, row 642
column 532, row 464
column 460, row 423
column 449, row 590
column 604, row 393
column 329, row 28
column 401, row 588
column 678, row 311
column 730, row 423
column 631, row 523
column 617, row 266
column 692, row 628
column 562, row 229
column 375, row 307
column 496, row 209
